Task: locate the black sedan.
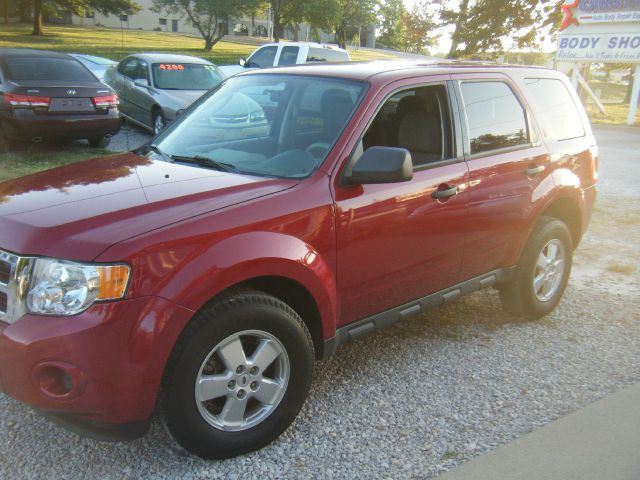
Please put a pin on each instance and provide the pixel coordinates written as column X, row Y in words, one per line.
column 49, row 95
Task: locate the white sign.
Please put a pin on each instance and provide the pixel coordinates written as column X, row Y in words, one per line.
column 600, row 31
column 603, row 47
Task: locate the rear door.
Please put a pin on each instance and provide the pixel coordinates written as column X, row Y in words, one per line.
column 396, row 242
column 507, row 162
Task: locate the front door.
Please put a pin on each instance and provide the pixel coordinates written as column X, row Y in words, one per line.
column 174, row 25
column 396, row 242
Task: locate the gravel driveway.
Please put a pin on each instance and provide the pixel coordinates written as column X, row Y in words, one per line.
column 425, row 395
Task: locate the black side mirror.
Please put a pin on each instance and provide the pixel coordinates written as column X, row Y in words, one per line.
column 382, row 165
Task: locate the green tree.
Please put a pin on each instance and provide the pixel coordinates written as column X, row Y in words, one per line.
column 351, row 16
column 205, row 15
column 483, row 25
column 77, row 7
column 392, row 30
column 253, row 8
column 419, row 26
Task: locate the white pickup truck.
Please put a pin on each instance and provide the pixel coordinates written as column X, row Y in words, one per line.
column 287, row 53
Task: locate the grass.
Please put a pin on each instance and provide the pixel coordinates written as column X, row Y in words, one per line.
column 116, row 44
column 615, row 114
column 18, row 163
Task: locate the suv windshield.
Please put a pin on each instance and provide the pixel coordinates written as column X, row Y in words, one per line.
column 271, row 125
column 185, row 76
column 42, row 68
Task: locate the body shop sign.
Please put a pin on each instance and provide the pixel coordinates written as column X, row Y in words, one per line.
column 600, row 31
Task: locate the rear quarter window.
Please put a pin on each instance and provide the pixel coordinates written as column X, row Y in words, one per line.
column 32, row 68
column 554, row 108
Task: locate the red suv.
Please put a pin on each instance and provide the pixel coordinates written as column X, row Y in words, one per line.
column 287, row 212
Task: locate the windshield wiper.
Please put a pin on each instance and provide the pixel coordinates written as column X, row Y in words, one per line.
column 204, row 162
column 154, row 148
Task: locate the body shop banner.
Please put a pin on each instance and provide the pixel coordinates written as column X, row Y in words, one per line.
column 600, row 31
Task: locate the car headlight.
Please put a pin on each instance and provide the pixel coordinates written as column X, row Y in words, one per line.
column 60, row 287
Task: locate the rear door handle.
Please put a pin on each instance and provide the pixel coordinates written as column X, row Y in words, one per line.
column 446, row 193
column 533, row 171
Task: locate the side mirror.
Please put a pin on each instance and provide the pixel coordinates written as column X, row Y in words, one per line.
column 382, row 165
column 242, row 62
column 180, row 112
column 141, row 82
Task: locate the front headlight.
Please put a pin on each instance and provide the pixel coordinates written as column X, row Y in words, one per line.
column 60, row 287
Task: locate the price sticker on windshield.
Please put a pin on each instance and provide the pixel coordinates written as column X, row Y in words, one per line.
column 171, row 66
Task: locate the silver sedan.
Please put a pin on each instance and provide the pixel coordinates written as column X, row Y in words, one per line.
column 154, row 87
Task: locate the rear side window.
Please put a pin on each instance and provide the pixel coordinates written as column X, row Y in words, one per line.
column 288, row 56
column 39, row 68
column 326, row 55
column 495, row 117
column 555, row 108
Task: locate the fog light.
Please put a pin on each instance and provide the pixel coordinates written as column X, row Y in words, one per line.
column 58, row 379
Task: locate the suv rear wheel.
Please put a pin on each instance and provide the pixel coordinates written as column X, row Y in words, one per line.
column 543, row 271
column 238, row 376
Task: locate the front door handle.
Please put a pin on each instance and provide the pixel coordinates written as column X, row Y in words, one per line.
column 533, row 171
column 445, row 193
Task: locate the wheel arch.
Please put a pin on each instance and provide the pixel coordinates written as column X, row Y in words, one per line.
column 293, row 294
column 567, row 210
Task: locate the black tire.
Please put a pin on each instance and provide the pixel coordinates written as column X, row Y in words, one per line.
column 521, row 297
column 157, row 118
column 243, row 311
column 99, row 142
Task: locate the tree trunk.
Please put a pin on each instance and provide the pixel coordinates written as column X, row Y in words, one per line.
column 37, row 17
column 296, row 32
column 341, row 37
column 455, row 37
column 277, row 27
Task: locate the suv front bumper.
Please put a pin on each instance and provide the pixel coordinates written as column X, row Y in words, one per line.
column 101, row 367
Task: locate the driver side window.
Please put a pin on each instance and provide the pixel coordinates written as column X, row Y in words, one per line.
column 263, row 58
column 416, row 119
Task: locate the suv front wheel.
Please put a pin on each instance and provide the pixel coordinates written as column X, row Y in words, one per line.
column 543, row 272
column 238, row 376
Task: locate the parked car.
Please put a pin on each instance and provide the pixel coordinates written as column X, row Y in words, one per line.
column 292, row 210
column 49, row 95
column 155, row 88
column 285, row 54
column 97, row 65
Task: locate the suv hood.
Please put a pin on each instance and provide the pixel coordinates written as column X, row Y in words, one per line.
column 79, row 210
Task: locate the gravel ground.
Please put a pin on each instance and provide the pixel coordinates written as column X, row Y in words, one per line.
column 423, row 396
column 129, row 137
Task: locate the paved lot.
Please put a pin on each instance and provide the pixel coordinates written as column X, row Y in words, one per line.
column 421, row 397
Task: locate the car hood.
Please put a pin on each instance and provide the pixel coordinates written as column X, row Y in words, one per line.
column 79, row 210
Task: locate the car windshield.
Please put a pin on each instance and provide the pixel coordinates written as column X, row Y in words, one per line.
column 185, row 76
column 270, row 125
column 42, row 68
